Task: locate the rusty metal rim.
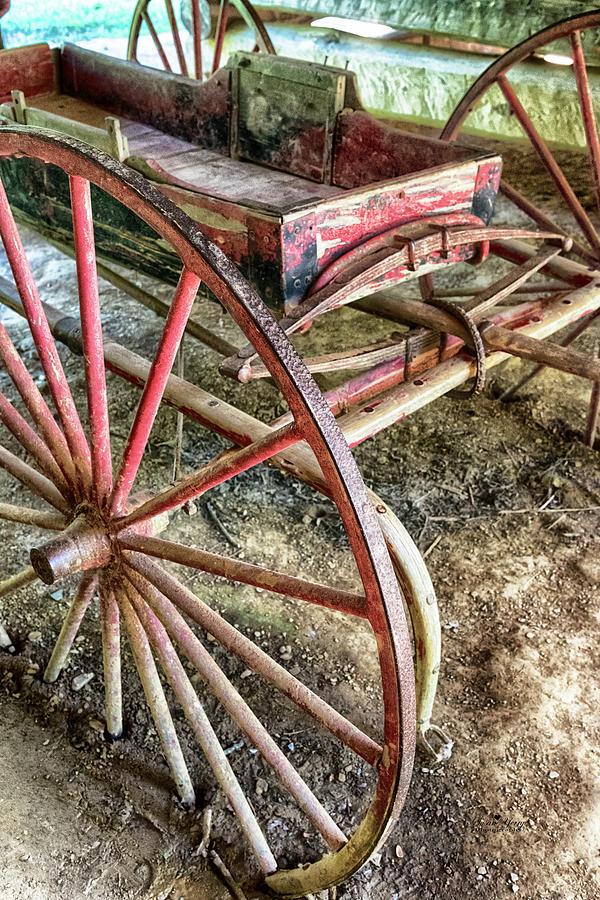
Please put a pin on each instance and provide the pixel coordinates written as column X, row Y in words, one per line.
column 385, row 610
column 515, row 55
column 495, row 74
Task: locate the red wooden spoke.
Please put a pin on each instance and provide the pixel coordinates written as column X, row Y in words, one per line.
column 36, row 517
column 153, row 391
column 157, row 43
column 32, row 479
column 587, row 109
column 247, row 573
column 241, row 713
column 220, row 35
column 220, row 469
column 91, row 335
column 204, row 731
column 256, row 659
column 197, row 37
column 31, row 441
column 71, row 625
column 176, row 37
column 111, row 655
column 36, row 406
column 44, row 342
column 535, row 213
column 157, row 701
column 550, row 163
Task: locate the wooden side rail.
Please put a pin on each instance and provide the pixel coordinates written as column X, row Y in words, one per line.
column 108, row 139
column 195, row 111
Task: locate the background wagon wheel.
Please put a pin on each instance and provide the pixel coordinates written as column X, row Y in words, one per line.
column 567, row 41
column 108, row 536
column 193, row 16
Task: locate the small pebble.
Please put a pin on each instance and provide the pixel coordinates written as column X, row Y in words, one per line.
column 261, row 786
column 34, row 636
column 553, row 774
column 80, row 681
column 514, row 876
column 482, row 870
column 399, row 851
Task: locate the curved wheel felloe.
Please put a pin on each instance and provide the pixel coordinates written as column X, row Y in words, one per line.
column 568, row 39
column 115, row 539
column 207, row 50
column 419, row 594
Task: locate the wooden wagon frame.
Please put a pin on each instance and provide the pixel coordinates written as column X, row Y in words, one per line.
column 267, row 181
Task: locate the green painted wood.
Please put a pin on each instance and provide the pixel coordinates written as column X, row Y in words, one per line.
column 284, row 113
column 120, row 235
column 423, row 84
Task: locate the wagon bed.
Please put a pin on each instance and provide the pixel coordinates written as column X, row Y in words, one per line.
column 283, row 200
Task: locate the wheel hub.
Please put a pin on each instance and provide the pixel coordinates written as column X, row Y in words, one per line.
column 87, row 542
column 84, row 544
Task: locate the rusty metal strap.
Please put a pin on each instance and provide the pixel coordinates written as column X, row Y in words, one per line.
column 477, row 346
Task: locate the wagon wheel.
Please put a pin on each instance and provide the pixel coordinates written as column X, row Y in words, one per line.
column 198, row 22
column 109, row 537
column 568, row 39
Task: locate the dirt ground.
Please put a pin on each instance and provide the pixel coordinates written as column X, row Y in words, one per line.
column 503, row 498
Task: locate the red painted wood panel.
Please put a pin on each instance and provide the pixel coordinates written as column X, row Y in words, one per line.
column 367, row 151
column 28, row 69
column 191, row 110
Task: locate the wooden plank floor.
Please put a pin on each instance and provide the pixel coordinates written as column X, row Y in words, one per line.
column 201, row 170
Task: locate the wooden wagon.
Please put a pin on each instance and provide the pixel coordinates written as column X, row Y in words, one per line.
column 270, row 190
